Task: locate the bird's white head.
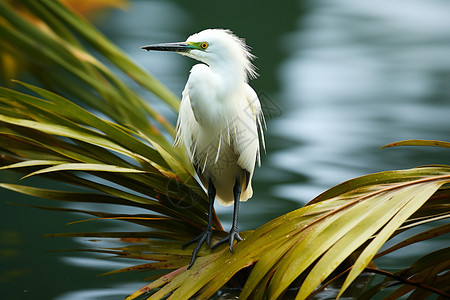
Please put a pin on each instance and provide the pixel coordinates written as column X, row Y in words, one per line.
column 218, row 48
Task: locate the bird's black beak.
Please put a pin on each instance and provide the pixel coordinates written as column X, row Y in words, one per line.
column 174, row 47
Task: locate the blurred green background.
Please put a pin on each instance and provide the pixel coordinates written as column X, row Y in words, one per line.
column 337, row 80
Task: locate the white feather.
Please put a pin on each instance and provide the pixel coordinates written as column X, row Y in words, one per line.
column 220, row 114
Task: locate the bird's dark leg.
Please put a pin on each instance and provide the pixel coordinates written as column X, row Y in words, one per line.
column 234, row 233
column 205, row 236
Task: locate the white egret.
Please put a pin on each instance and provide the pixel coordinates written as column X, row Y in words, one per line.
column 218, row 121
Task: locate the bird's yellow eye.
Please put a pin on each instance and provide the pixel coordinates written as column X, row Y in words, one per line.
column 204, row 45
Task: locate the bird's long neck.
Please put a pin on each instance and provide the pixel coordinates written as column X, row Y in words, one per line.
column 215, row 92
column 231, row 77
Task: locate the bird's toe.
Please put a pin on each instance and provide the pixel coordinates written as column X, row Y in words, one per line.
column 230, row 238
column 205, row 236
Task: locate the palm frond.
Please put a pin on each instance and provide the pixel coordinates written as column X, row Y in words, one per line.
column 433, row 143
column 315, row 239
column 425, row 277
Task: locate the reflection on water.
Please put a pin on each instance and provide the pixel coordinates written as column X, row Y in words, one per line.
column 118, row 291
column 363, row 75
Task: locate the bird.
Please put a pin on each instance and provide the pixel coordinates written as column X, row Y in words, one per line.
column 220, row 122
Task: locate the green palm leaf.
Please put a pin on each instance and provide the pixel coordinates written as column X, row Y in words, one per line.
column 426, row 277
column 316, row 238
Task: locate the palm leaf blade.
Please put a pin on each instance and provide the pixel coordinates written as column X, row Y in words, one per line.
column 416, row 200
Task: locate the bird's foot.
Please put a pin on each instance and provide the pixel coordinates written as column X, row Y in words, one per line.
column 231, row 237
column 205, row 236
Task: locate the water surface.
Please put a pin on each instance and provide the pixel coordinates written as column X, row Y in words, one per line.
column 338, row 80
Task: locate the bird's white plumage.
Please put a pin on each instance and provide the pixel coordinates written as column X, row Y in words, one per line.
column 220, row 114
